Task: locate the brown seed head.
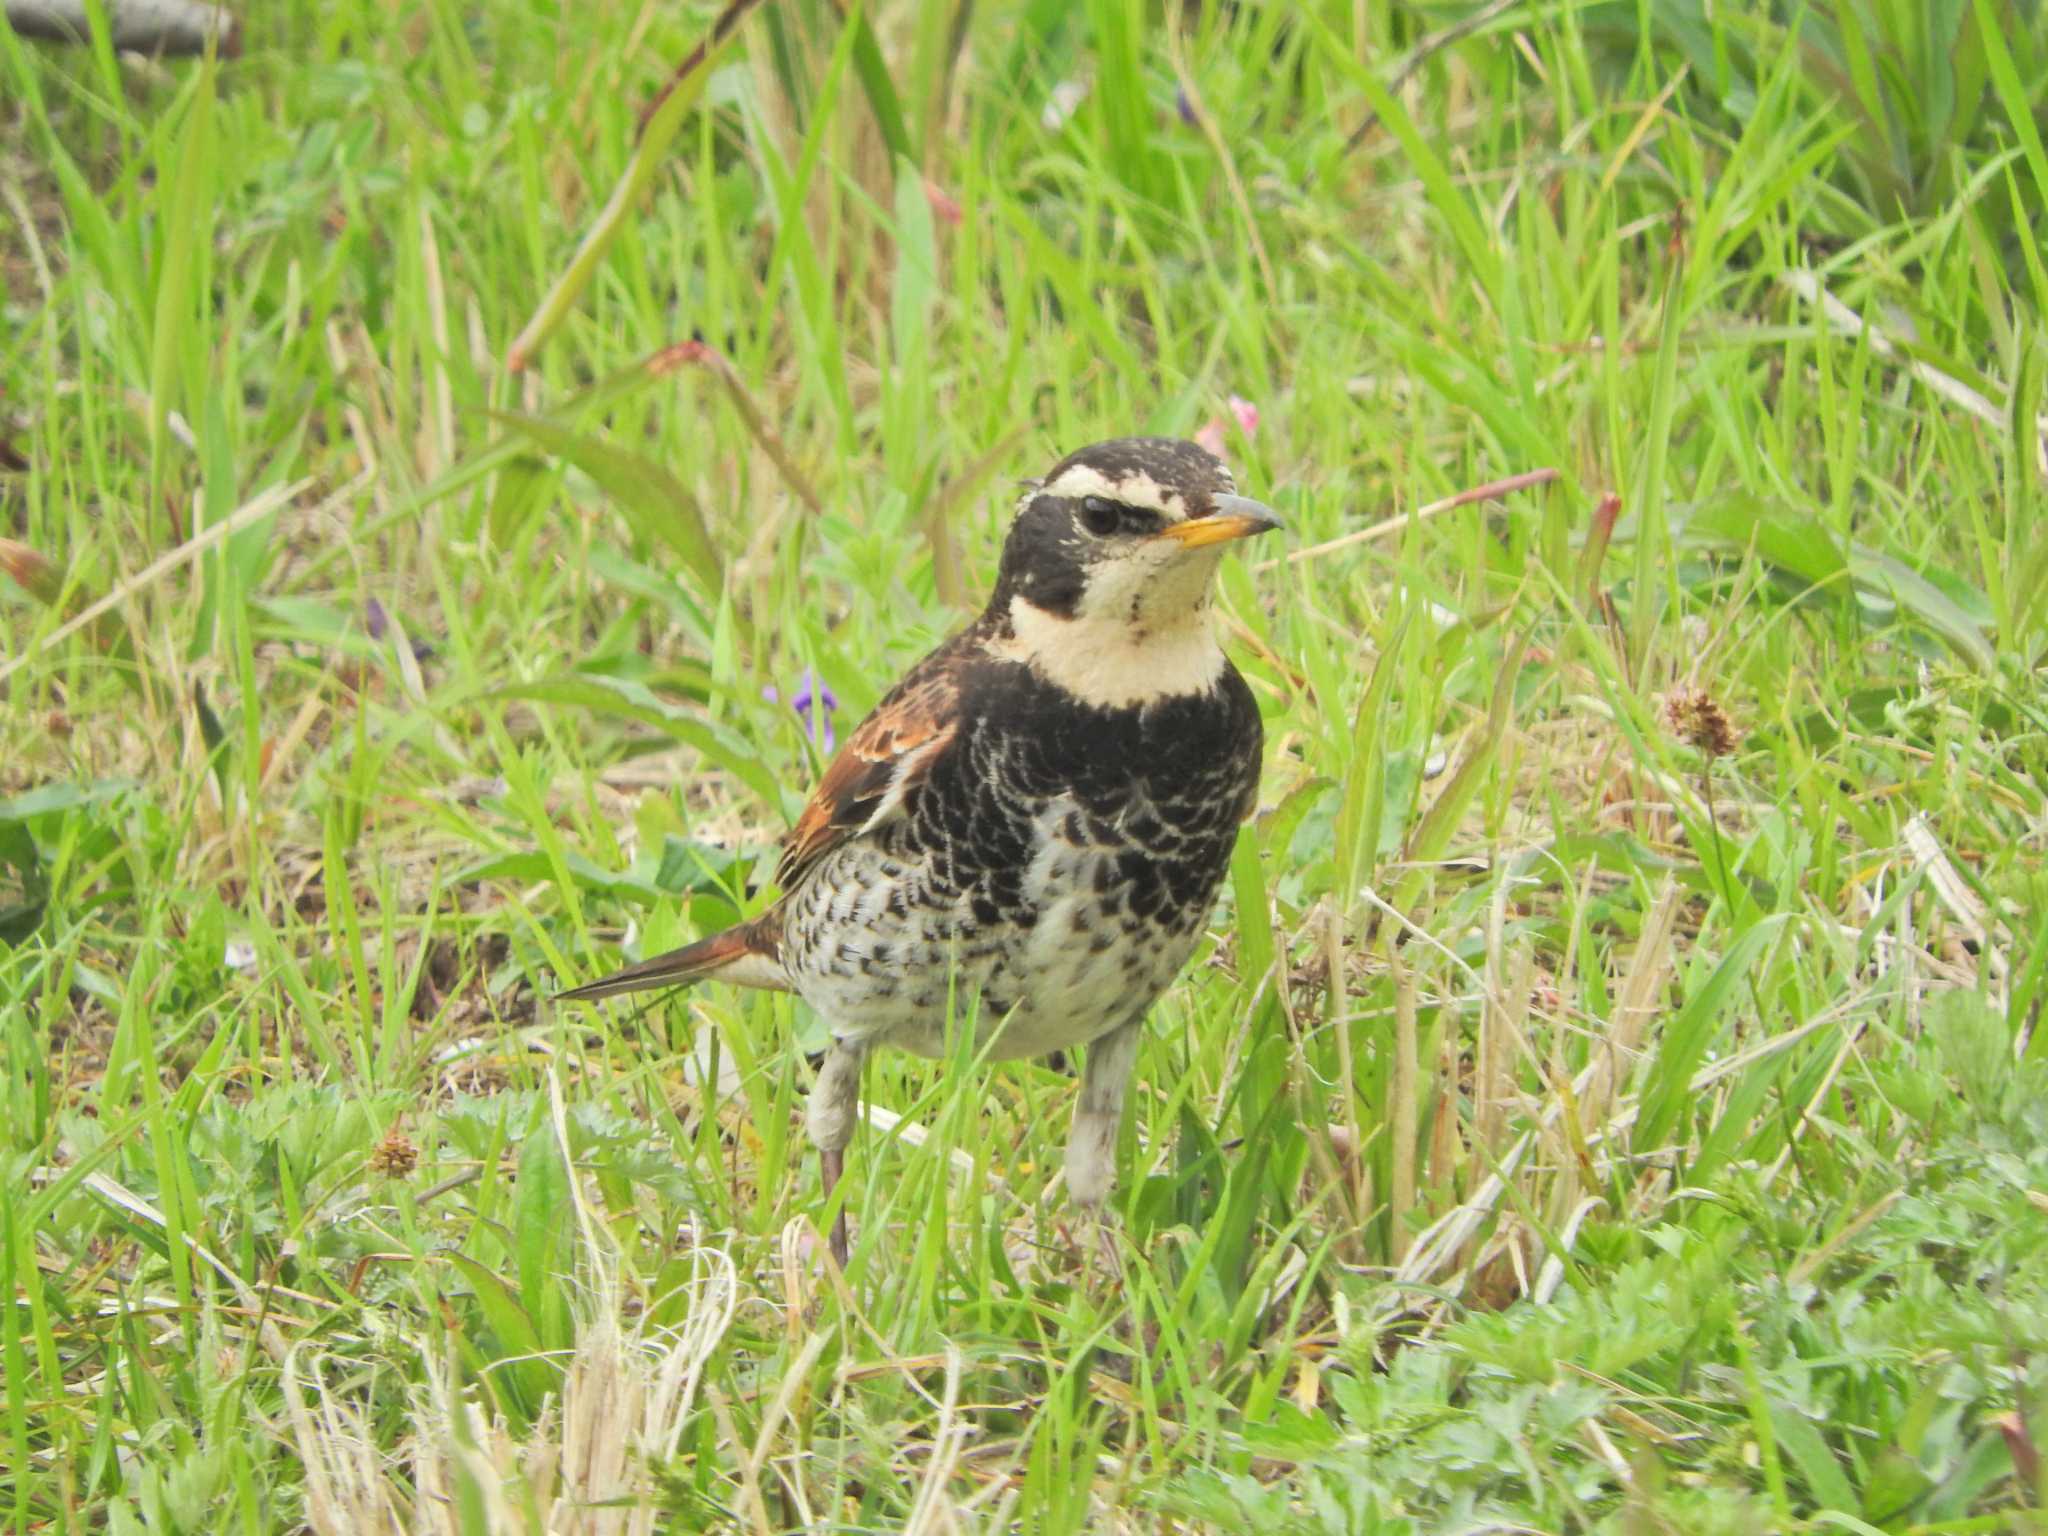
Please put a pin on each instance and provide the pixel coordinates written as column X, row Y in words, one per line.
column 1697, row 718
column 395, row 1156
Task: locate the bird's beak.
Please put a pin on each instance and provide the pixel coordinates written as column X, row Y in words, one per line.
column 1235, row 517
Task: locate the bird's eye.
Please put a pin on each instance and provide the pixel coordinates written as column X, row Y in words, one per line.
column 1100, row 516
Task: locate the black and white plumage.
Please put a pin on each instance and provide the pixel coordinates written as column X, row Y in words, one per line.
column 1039, row 814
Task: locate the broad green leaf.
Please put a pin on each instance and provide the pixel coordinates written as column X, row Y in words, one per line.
column 1798, row 545
column 1924, row 602
column 657, row 504
column 1804, row 1445
column 917, row 266
column 1686, row 1037
column 502, row 1310
column 873, row 70
column 69, row 795
column 540, row 1214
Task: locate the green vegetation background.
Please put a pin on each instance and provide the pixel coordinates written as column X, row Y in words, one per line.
column 1612, row 1100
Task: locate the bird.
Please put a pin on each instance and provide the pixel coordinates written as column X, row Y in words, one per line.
column 1040, row 812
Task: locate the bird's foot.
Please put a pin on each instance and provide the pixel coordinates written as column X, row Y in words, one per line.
column 1088, row 1233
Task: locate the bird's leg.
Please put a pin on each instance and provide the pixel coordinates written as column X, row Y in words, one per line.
column 834, row 1103
column 1098, row 1115
column 1099, row 1112
column 830, row 1166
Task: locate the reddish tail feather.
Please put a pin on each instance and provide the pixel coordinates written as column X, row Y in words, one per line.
column 748, row 956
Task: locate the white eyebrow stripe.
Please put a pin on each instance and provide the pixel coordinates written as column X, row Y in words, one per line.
column 1135, row 490
column 1080, row 480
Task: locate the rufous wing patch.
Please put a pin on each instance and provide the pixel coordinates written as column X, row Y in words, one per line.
column 889, row 755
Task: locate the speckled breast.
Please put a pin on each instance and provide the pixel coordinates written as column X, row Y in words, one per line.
column 1049, row 878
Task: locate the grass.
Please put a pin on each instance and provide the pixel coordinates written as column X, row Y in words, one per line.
column 1568, row 1129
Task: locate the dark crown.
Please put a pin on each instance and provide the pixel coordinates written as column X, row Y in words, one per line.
column 1173, row 463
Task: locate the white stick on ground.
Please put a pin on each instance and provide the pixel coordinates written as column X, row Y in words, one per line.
column 1839, row 315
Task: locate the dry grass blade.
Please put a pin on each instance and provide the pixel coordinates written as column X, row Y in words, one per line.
column 1811, row 1261
column 1437, row 1249
column 750, row 1484
column 1500, row 1023
column 1421, row 53
column 1407, row 1086
column 1220, row 147
column 1955, row 894
column 703, row 355
column 796, row 1379
column 1644, row 123
column 349, row 1487
column 721, row 33
column 592, row 1461
column 1433, row 830
column 1839, row 315
column 271, row 501
column 1551, row 1275
column 1392, row 525
column 932, row 1512
column 1649, row 969
column 253, row 1302
column 945, row 504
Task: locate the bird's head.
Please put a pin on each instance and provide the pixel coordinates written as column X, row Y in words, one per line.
column 1106, row 573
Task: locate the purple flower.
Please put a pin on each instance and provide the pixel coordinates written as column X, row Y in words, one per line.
column 1185, row 107
column 813, row 702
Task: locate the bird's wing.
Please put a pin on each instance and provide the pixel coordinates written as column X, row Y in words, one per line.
column 882, row 762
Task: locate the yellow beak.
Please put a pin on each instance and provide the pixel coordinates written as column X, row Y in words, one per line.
column 1235, row 517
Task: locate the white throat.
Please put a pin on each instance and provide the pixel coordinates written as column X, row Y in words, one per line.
column 1104, row 660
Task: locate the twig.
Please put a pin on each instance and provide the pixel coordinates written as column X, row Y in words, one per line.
column 1380, row 530
column 271, row 501
column 1420, row 55
column 658, row 125
column 721, row 29
column 708, row 357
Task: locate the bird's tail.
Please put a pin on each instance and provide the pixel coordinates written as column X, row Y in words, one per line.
column 749, row 956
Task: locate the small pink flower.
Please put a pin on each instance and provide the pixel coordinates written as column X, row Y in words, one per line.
column 1211, row 434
